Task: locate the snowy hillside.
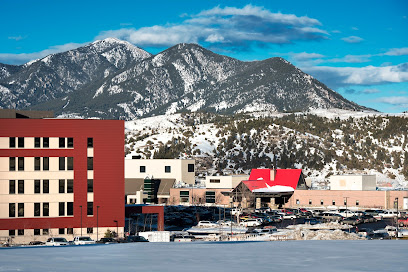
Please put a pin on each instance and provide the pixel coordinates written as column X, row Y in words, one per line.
column 347, row 142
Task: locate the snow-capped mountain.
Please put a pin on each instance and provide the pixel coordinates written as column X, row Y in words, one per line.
column 114, row 79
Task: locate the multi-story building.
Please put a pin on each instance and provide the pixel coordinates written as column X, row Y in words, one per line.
column 61, row 177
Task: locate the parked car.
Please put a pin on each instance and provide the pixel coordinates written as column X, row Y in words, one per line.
column 368, row 218
column 265, row 231
column 136, row 238
column 207, row 224
column 107, row 240
column 263, row 210
column 378, row 236
column 402, row 233
column 83, row 240
column 182, row 238
column 276, row 218
column 236, row 211
column 346, row 212
column 364, row 232
column 327, row 216
column 353, row 220
column 388, row 214
column 403, row 222
column 36, row 243
column 251, row 222
column 56, row 241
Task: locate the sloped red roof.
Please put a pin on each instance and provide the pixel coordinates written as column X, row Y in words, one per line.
column 261, row 178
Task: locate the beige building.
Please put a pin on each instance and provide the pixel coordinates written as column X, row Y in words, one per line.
column 149, row 181
column 224, row 182
column 353, row 182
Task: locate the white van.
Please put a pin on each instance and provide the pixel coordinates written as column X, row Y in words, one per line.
column 83, row 240
column 56, row 241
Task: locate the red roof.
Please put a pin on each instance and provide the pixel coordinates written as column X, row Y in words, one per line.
column 261, row 178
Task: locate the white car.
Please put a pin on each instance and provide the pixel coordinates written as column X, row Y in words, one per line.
column 388, row 214
column 207, row 224
column 56, row 241
column 252, row 222
column 83, row 240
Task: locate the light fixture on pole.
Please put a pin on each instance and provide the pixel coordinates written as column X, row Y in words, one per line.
column 81, row 219
column 97, row 222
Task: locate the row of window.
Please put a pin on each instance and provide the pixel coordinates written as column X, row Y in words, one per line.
column 167, row 168
column 209, row 197
column 37, row 232
column 62, row 211
column 62, row 185
column 62, row 143
column 65, row 163
column 322, row 202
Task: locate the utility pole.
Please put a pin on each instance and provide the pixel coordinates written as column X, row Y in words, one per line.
column 346, row 198
column 396, row 199
column 81, row 219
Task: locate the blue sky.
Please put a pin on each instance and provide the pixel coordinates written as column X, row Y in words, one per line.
column 357, row 48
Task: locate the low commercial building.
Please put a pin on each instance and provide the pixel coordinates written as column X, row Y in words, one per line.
column 149, row 181
column 224, row 182
column 60, row 177
column 353, row 182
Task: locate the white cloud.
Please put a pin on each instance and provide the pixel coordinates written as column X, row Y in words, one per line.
column 26, row 57
column 370, row 91
column 397, row 51
column 353, row 39
column 305, row 56
column 394, row 100
column 352, row 59
column 368, row 75
column 228, row 26
column 16, row 38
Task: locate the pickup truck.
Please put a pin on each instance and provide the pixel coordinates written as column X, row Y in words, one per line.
column 83, row 240
column 402, row 222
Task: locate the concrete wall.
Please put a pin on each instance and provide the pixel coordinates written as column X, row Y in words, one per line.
column 353, row 182
column 156, row 168
column 226, row 182
column 357, row 199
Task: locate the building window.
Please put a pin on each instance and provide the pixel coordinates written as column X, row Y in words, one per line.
column 357, row 202
column 321, row 202
column 90, row 142
column 70, row 230
column 89, row 230
column 310, row 202
column 142, row 169
column 90, row 185
column 89, row 208
column 61, row 231
column 61, row 186
column 12, row 142
column 20, row 232
column 37, row 142
column 61, row 142
column 12, row 209
column 297, row 201
column 167, row 169
column 70, row 186
column 46, row 163
column 37, row 186
column 46, row 231
column 37, row 162
column 46, row 142
column 215, row 180
column 12, row 164
column 333, row 202
column 46, row 209
column 21, row 164
column 210, row 197
column 70, row 163
column 37, row 232
column 21, row 142
column 190, row 167
column 21, row 186
column 46, row 186
column 62, row 163
column 184, row 196
column 61, row 209
column 70, row 142
column 37, row 209
column 12, row 232
column 12, row 187
column 70, row 208
column 20, row 209
column 90, row 163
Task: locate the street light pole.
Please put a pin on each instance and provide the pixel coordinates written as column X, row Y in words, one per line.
column 347, row 209
column 81, row 219
column 97, row 223
column 231, row 218
column 396, row 199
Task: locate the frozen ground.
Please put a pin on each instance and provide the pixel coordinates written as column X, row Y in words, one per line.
column 217, row 256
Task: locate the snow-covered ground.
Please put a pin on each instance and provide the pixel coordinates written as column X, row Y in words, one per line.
column 213, row 256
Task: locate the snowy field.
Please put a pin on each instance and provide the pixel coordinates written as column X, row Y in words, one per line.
column 216, row 256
